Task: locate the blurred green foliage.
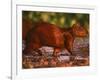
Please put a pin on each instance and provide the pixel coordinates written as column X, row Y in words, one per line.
column 57, row 18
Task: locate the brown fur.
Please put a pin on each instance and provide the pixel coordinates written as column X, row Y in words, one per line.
column 70, row 33
column 44, row 34
column 26, row 27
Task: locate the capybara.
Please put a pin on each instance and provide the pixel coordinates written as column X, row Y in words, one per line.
column 46, row 34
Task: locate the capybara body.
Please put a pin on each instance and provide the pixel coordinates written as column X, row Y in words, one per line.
column 44, row 34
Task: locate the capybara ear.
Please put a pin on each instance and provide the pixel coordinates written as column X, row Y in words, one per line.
column 79, row 30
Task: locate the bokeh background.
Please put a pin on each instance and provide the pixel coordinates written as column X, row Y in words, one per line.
column 63, row 20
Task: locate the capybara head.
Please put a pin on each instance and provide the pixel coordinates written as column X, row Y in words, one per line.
column 79, row 30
